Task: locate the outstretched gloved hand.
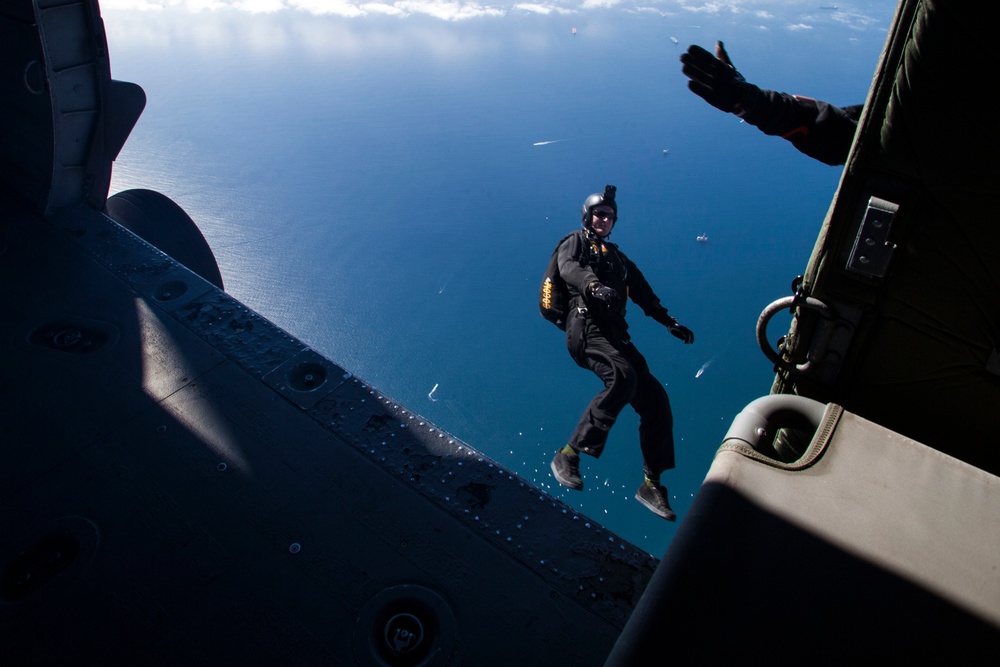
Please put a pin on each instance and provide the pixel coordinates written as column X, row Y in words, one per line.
column 714, row 79
column 680, row 331
column 673, row 326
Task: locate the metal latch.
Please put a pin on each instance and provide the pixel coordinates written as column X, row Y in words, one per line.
column 872, row 249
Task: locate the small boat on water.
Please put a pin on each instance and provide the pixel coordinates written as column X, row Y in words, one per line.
column 702, row 238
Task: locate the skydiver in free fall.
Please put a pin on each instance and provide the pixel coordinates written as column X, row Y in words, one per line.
column 600, row 279
column 818, row 129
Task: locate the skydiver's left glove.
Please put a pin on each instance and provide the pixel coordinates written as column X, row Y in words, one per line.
column 714, row 79
column 675, row 328
column 682, row 332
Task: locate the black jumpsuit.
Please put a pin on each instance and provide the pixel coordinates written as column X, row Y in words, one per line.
column 599, row 340
column 817, row 128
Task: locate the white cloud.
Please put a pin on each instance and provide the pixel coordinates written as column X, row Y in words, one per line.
column 854, row 18
column 546, row 9
column 327, row 7
column 448, row 11
column 260, row 6
column 800, row 26
column 708, row 7
column 382, row 8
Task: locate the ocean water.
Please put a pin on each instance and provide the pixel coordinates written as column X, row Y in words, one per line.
column 389, row 190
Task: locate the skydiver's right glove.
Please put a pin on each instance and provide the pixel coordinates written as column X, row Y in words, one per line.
column 609, row 298
column 714, row 79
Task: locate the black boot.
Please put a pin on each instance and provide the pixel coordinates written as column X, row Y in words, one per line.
column 566, row 470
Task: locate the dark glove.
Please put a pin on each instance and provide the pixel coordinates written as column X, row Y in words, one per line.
column 607, row 295
column 673, row 326
column 682, row 332
column 714, row 79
